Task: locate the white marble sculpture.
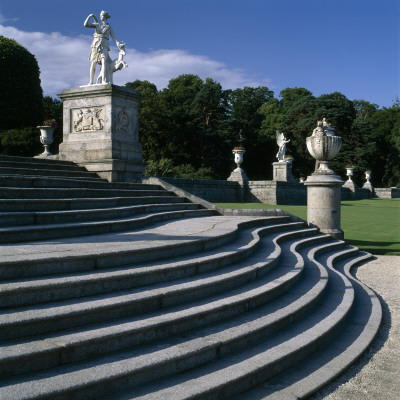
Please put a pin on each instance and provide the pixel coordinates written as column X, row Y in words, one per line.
column 323, row 145
column 100, row 48
column 281, row 141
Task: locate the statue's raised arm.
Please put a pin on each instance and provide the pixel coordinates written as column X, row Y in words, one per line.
column 99, row 52
column 86, row 23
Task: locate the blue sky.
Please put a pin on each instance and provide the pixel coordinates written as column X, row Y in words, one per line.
column 350, row 46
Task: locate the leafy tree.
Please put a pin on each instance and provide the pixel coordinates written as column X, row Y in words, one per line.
column 153, row 131
column 245, row 121
column 290, row 95
column 20, row 80
column 178, row 97
column 21, row 142
column 210, row 122
column 386, row 131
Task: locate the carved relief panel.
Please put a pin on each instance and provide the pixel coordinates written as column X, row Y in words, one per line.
column 125, row 121
column 88, row 119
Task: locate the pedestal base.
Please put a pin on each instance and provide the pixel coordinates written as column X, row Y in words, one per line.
column 282, row 171
column 323, row 203
column 101, row 131
column 238, row 175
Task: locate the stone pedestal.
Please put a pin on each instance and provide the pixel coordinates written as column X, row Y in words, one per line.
column 238, row 175
column 349, row 184
column 101, row 131
column 368, row 185
column 282, row 171
column 323, row 203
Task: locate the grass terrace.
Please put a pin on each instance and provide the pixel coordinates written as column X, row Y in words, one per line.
column 372, row 225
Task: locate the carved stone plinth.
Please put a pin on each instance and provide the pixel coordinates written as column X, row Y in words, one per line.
column 282, row 171
column 101, row 131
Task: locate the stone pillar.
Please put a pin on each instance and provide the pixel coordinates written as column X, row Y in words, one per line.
column 282, row 171
column 323, row 203
column 323, row 186
column 101, row 131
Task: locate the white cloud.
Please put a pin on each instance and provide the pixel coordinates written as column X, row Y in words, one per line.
column 64, row 63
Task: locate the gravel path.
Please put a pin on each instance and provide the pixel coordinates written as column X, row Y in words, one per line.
column 377, row 373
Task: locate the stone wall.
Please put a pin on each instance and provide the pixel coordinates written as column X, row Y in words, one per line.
column 268, row 192
column 214, row 191
column 387, row 193
column 277, row 192
column 220, row 191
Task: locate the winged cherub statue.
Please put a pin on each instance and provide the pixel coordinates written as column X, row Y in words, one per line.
column 281, row 141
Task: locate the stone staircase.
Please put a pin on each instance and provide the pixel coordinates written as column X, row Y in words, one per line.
column 128, row 291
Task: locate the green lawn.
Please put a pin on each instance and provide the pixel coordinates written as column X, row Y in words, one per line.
column 372, row 225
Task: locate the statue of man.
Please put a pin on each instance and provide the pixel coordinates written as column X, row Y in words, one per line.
column 100, row 48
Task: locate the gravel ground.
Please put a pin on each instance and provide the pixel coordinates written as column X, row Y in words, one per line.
column 376, row 375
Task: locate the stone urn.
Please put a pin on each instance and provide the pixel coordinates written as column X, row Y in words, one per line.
column 323, row 186
column 238, row 175
column 238, row 153
column 46, row 138
column 349, row 173
column 323, row 145
column 368, row 184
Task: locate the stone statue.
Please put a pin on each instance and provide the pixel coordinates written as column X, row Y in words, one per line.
column 100, row 48
column 281, row 141
column 327, row 128
column 323, row 129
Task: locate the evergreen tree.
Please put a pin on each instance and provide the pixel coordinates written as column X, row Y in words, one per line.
column 21, row 101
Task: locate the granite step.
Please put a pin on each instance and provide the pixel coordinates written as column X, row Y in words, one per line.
column 10, row 219
column 29, row 233
column 166, row 239
column 356, row 335
column 75, row 192
column 22, row 181
column 32, row 160
column 18, row 292
column 47, row 172
column 236, row 370
column 207, row 348
column 37, row 205
column 27, row 163
column 105, row 338
column 127, row 291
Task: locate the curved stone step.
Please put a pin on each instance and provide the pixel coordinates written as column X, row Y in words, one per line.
column 12, row 219
column 220, row 344
column 168, row 239
column 38, row 205
column 45, row 232
column 228, row 376
column 19, row 181
column 32, row 171
column 29, row 164
column 32, row 160
column 58, row 315
column 100, row 339
column 74, row 192
column 19, row 292
column 324, row 366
